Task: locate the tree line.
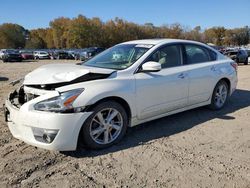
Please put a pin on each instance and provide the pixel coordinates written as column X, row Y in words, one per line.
column 81, row 32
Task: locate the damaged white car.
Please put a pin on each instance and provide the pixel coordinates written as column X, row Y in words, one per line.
column 58, row 106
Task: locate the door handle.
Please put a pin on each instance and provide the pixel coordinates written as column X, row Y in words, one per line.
column 181, row 76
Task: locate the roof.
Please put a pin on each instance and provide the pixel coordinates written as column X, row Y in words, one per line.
column 156, row 41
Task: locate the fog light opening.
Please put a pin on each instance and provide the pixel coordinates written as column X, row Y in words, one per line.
column 44, row 135
column 48, row 137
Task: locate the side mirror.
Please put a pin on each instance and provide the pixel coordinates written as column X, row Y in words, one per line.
column 151, row 66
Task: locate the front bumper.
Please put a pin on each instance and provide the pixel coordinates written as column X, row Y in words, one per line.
column 22, row 122
column 44, row 57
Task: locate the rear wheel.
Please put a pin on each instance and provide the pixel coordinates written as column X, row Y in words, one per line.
column 237, row 60
column 106, row 126
column 220, row 95
column 246, row 62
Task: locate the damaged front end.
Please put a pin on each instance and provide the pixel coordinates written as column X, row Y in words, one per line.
column 42, row 113
column 19, row 97
column 27, row 91
column 42, row 118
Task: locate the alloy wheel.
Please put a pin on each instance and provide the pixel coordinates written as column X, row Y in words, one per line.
column 106, row 126
column 221, row 95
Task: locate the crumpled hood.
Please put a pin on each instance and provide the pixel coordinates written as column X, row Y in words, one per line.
column 59, row 73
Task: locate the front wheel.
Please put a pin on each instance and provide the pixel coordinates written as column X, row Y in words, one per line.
column 220, row 96
column 106, row 126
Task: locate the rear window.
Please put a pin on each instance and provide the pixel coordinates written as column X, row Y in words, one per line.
column 197, row 54
column 12, row 51
column 29, row 53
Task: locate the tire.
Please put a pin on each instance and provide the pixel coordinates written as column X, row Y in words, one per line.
column 93, row 134
column 237, row 61
column 220, row 95
column 246, row 62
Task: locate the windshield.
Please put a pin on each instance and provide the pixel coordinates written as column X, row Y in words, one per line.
column 119, row 57
column 27, row 52
column 12, row 51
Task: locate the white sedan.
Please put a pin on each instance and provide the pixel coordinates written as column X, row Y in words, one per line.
column 59, row 106
column 41, row 55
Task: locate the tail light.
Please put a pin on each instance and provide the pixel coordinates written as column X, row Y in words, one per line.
column 235, row 66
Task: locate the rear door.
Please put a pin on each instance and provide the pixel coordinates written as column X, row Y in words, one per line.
column 201, row 63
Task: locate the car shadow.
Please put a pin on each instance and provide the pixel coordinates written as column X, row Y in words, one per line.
column 170, row 125
column 3, row 79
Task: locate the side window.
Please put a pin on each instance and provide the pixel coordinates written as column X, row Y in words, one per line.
column 169, row 56
column 196, row 54
column 213, row 55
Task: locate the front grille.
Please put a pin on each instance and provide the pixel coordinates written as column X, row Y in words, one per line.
column 14, row 55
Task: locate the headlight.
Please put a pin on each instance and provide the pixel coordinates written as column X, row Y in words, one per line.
column 61, row 103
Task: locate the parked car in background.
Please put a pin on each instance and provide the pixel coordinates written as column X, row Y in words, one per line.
column 221, row 49
column 61, row 105
column 72, row 53
column 52, row 54
column 80, row 55
column 27, row 55
column 88, row 53
column 2, row 53
column 248, row 52
column 63, row 55
column 239, row 56
column 93, row 51
column 41, row 55
column 7, row 55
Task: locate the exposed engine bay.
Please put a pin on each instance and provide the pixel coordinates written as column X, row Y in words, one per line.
column 19, row 97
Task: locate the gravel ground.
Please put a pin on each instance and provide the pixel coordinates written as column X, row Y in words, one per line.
column 197, row 148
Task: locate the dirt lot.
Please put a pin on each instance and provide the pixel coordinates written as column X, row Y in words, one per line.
column 198, row 148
